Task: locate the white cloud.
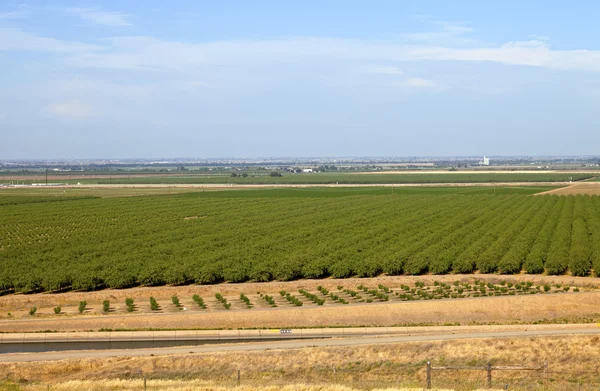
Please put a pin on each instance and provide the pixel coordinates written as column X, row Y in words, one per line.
column 382, row 70
column 146, row 53
column 105, row 18
column 71, row 109
column 445, row 33
column 18, row 13
column 192, row 85
column 421, row 83
column 17, row 40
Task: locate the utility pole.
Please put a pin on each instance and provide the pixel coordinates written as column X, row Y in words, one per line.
column 46, row 177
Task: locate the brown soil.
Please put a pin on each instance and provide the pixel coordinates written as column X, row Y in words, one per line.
column 587, row 188
column 483, row 171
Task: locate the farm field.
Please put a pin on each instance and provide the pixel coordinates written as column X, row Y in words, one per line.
column 23, row 193
column 210, row 237
column 28, row 194
column 308, row 178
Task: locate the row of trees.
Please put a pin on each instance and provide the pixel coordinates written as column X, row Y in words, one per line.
column 118, row 243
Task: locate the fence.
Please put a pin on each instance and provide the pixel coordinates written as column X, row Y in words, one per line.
column 488, row 368
column 414, row 376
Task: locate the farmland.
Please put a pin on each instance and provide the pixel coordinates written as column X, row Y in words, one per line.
column 210, row 237
column 265, row 177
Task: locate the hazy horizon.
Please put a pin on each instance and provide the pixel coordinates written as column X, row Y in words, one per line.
column 341, row 78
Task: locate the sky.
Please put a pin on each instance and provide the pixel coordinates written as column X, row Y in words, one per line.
column 133, row 79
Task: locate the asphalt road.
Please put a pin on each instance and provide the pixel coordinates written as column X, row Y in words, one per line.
column 297, row 344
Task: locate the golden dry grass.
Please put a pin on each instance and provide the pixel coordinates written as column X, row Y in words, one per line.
column 193, row 385
column 572, row 360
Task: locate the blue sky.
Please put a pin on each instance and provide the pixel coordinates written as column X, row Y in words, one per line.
column 312, row 78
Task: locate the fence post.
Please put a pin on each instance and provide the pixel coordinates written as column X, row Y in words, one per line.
column 238, row 377
column 546, row 373
column 489, row 374
column 144, row 383
column 428, row 386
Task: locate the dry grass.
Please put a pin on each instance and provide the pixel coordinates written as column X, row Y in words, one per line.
column 194, row 385
column 572, row 360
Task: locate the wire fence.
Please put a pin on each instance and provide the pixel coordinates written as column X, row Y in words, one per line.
column 421, row 375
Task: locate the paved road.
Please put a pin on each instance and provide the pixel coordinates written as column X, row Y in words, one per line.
column 297, row 344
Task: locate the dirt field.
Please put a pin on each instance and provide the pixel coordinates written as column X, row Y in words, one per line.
column 502, row 309
column 572, row 360
column 588, row 188
column 484, row 171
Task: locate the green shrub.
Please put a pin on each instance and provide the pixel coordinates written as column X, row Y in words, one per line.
column 105, row 306
column 293, row 300
column 129, row 304
column 323, row 290
column 154, row 304
column 270, row 300
column 312, row 297
column 246, row 300
column 32, row 310
column 223, row 301
column 175, row 301
column 57, row 309
column 198, row 300
column 82, row 306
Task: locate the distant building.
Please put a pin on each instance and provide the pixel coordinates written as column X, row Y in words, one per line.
column 485, row 161
column 307, row 170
